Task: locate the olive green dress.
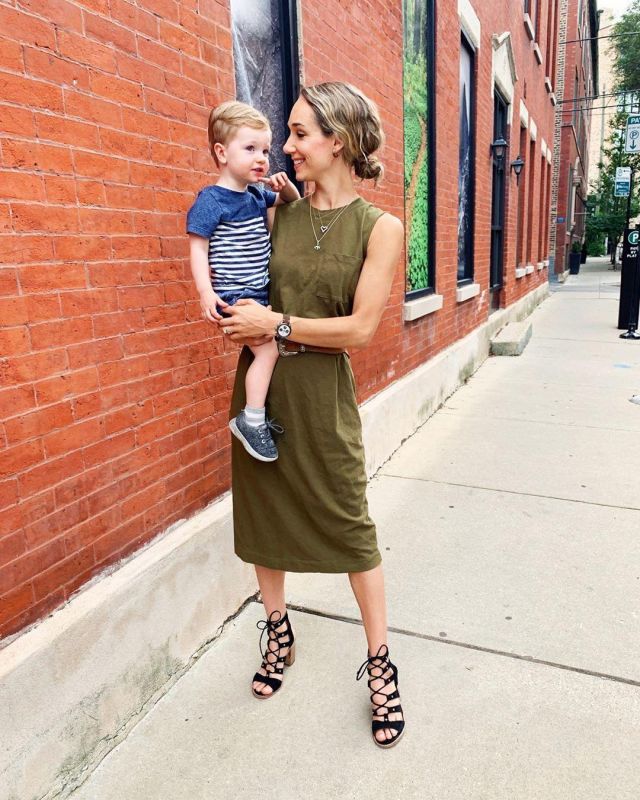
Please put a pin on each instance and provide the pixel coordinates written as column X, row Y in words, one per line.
column 307, row 511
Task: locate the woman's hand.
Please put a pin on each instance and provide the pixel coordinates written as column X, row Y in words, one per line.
column 249, row 320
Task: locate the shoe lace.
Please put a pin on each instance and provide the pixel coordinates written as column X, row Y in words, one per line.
column 269, row 626
column 380, row 661
column 268, row 426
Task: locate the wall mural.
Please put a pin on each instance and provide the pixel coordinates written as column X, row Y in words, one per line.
column 255, row 28
column 418, row 30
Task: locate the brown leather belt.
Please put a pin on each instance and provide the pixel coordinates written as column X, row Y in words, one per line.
column 287, row 348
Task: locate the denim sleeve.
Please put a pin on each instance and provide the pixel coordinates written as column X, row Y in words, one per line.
column 204, row 215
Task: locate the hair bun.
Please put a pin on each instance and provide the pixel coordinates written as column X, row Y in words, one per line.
column 369, row 168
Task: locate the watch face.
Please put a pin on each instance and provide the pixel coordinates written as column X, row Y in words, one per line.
column 284, row 330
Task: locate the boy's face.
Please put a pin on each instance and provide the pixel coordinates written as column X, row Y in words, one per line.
column 246, row 155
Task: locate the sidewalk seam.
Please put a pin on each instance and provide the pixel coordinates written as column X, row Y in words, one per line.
column 508, row 491
column 467, row 646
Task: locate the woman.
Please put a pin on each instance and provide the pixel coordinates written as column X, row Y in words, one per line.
column 333, row 261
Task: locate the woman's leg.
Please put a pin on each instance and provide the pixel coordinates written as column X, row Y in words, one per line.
column 368, row 588
column 271, row 583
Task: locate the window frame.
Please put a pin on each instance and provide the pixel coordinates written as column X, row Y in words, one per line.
column 468, row 275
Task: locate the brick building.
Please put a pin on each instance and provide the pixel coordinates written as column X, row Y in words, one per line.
column 114, row 392
column 580, row 87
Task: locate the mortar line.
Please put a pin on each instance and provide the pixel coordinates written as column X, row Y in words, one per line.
column 507, row 491
column 467, row 646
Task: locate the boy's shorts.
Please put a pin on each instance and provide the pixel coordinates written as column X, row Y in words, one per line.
column 231, row 296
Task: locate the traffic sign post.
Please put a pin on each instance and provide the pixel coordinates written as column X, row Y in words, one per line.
column 632, row 134
column 630, row 285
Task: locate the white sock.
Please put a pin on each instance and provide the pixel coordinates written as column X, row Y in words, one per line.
column 254, row 416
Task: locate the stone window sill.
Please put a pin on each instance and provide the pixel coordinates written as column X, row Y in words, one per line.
column 414, row 309
column 466, row 292
column 548, row 85
column 529, row 26
column 520, row 272
column 529, row 269
column 537, row 53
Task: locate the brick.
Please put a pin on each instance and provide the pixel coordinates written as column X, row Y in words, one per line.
column 82, row 248
column 16, row 601
column 138, row 247
column 8, row 281
column 109, row 448
column 133, row 69
column 38, row 423
column 73, row 437
column 8, row 493
column 14, row 88
column 63, row 572
column 145, row 124
column 60, row 191
column 124, row 370
column 91, row 108
column 92, row 301
column 20, row 121
column 41, row 307
column 11, row 57
column 116, row 89
column 114, row 274
column 46, row 65
column 47, row 475
column 179, row 39
column 104, row 220
column 82, row 486
column 31, row 155
column 95, row 352
column 126, row 145
column 51, row 277
column 109, row 33
column 91, row 193
column 34, row 613
column 48, row 527
column 61, row 332
column 13, row 311
column 116, row 323
column 124, row 197
column 78, row 48
column 27, row 28
column 67, row 131
column 22, row 369
column 141, row 296
column 60, row 12
column 65, row 386
column 21, row 185
column 94, row 165
column 14, row 340
column 20, row 457
column 16, row 400
column 29, row 217
column 134, row 18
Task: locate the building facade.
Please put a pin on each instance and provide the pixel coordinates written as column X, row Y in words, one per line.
column 580, row 89
column 114, row 391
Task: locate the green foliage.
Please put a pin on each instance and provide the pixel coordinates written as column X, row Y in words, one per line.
column 418, row 247
column 610, row 213
column 624, row 48
column 412, row 141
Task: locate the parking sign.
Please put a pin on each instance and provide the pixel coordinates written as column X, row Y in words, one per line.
column 632, row 136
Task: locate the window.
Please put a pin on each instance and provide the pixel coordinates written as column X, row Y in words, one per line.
column 419, row 149
column 533, row 212
column 466, row 163
column 266, row 64
column 500, row 131
column 522, row 200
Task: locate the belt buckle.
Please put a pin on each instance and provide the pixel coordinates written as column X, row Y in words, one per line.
column 284, row 352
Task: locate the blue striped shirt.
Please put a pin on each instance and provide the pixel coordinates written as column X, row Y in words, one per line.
column 235, row 223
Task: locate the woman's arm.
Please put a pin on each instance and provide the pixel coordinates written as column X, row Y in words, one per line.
column 357, row 329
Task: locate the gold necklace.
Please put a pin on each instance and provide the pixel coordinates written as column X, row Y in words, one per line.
column 324, row 229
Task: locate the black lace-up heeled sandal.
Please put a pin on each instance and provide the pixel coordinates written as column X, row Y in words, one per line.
column 273, row 663
column 380, row 667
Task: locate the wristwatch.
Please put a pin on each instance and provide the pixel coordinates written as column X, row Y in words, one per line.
column 283, row 329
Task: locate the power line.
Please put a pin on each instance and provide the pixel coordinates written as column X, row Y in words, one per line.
column 599, row 96
column 597, row 38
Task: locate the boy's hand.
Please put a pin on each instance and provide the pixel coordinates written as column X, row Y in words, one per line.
column 208, row 302
column 277, row 181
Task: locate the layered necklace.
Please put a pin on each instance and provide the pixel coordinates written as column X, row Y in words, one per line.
column 325, row 226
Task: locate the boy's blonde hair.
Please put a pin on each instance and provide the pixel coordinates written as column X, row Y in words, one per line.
column 225, row 119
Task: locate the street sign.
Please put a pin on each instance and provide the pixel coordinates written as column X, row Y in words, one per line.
column 629, row 280
column 623, row 182
column 632, row 135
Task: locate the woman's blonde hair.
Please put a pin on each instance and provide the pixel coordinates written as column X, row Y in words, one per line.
column 225, row 119
column 344, row 111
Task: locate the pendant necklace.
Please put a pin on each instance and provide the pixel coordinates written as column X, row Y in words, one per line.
column 324, row 229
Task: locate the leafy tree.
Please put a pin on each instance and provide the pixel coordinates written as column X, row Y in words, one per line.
column 624, row 49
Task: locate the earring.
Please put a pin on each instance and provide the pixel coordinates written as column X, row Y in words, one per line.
column 336, row 153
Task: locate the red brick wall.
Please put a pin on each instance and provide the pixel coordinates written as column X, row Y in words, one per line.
column 114, row 393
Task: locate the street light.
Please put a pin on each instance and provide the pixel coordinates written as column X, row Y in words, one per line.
column 499, row 150
column 517, row 166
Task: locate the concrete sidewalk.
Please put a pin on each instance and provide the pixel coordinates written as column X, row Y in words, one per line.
column 509, row 528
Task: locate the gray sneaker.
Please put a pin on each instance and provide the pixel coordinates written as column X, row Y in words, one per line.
column 258, row 442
